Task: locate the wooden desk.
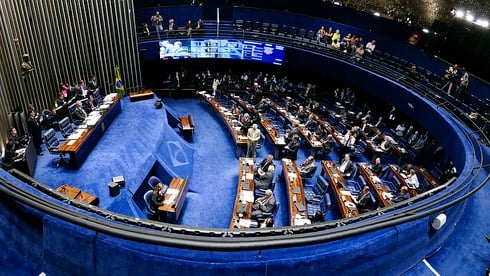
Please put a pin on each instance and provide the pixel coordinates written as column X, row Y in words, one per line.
column 187, row 124
column 225, row 114
column 174, row 199
column 141, row 95
column 395, row 171
column 429, row 179
column 294, row 182
column 244, row 196
column 80, row 149
column 378, row 188
column 305, row 133
column 78, row 194
column 27, row 162
column 340, row 189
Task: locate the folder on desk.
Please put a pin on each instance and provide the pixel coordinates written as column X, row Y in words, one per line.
column 249, row 176
column 247, row 196
column 301, row 207
column 296, row 190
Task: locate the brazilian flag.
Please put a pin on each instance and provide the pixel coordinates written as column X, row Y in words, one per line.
column 118, row 82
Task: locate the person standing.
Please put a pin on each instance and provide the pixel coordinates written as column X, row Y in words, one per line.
column 34, row 128
column 253, row 135
column 157, row 22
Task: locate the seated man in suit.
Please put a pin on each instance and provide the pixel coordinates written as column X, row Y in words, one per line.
column 377, row 168
column 387, row 143
column 364, row 202
column 290, row 133
column 308, row 168
column 346, row 166
column 311, row 123
column 328, row 144
column 291, row 149
column 264, row 165
column 79, row 114
column 264, row 204
column 403, row 195
column 265, row 178
column 261, row 106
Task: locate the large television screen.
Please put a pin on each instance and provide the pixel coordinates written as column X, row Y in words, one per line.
column 221, row 48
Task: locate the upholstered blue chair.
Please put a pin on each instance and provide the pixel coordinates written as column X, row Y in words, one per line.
column 66, row 127
column 153, row 181
column 53, row 143
column 147, row 198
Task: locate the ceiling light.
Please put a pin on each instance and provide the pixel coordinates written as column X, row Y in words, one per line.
column 376, row 13
column 483, row 23
column 425, row 30
column 469, row 17
column 459, row 13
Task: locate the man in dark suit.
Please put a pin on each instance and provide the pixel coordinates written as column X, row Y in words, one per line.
column 34, row 128
column 292, row 132
column 79, row 114
column 265, row 179
column 377, row 168
column 364, row 202
column 264, row 165
column 308, row 168
column 346, row 166
column 291, row 149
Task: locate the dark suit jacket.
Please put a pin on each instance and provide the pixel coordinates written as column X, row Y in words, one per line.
column 78, row 116
column 264, row 181
column 349, row 168
column 156, row 201
column 377, row 169
column 35, row 130
column 308, row 171
column 264, row 165
column 292, row 150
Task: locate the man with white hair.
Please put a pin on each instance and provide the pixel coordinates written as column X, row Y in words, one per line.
column 264, row 204
column 253, row 135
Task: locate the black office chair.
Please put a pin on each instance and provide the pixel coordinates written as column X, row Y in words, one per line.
column 66, row 127
column 53, row 143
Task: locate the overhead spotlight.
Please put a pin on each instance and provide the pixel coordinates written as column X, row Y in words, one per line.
column 425, row 30
column 336, row 3
column 483, row 23
column 376, row 14
column 469, row 17
column 459, row 13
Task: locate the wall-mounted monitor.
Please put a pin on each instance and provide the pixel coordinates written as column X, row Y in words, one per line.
column 221, row 48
